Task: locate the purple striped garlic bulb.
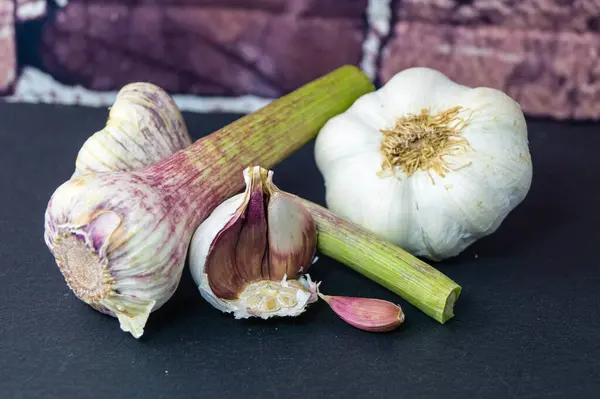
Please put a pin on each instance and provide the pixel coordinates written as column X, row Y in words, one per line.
column 144, row 126
column 121, row 238
column 248, row 257
column 121, row 251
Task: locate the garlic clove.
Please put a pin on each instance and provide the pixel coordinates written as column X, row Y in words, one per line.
column 144, row 126
column 367, row 113
column 292, row 237
column 236, row 254
column 254, row 233
column 415, row 89
column 368, row 314
column 225, row 279
column 347, row 139
column 248, row 255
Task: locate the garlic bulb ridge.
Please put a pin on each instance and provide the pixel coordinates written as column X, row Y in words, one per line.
column 426, row 163
column 248, row 256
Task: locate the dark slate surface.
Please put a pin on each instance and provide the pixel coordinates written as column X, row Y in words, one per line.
column 526, row 325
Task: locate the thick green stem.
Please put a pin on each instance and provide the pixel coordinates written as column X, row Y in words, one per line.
column 270, row 134
column 414, row 280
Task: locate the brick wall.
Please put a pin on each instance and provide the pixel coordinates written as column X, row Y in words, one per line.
column 8, row 62
column 544, row 53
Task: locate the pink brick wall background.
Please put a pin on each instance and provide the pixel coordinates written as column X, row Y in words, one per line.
column 544, row 53
column 8, row 63
column 202, row 47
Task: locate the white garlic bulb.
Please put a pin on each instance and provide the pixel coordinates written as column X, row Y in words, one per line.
column 426, row 163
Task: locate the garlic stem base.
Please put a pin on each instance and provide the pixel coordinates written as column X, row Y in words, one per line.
column 86, row 271
column 267, row 298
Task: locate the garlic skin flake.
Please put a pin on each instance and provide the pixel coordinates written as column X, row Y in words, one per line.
column 144, row 126
column 428, row 164
column 247, row 257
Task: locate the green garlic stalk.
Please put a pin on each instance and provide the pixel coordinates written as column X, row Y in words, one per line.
column 397, row 270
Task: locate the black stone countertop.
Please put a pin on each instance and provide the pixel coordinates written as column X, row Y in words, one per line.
column 526, row 325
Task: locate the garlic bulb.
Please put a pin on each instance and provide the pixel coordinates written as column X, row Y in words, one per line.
column 120, row 251
column 426, row 163
column 247, row 257
column 144, row 126
column 120, row 239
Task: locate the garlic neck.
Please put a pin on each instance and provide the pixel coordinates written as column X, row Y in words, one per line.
column 421, row 141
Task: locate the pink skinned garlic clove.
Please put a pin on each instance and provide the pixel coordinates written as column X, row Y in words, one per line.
column 368, row 314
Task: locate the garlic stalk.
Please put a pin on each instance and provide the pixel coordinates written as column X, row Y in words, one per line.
column 426, row 163
column 248, row 256
column 120, row 238
column 144, row 126
column 422, row 285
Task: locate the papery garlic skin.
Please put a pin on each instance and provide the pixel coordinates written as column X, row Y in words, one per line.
column 258, row 292
column 430, row 214
column 121, row 252
column 144, row 126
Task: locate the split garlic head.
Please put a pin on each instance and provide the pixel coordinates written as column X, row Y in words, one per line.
column 426, row 163
column 248, row 256
column 144, row 126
